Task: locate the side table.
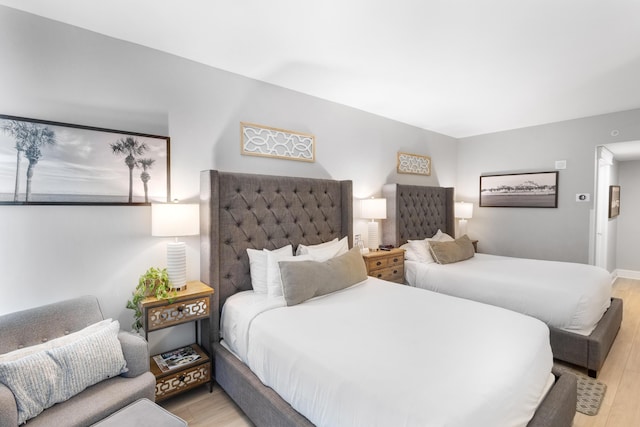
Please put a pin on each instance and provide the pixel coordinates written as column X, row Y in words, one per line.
column 181, row 369
column 386, row 265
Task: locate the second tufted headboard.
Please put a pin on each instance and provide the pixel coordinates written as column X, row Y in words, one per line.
column 240, row 211
column 416, row 212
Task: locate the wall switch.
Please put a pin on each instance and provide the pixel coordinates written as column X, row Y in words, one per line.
column 561, row 164
column 583, row 197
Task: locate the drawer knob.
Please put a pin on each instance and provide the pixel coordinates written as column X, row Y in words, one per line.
column 379, row 275
column 378, row 263
column 395, row 271
column 181, row 378
column 395, row 260
column 180, row 309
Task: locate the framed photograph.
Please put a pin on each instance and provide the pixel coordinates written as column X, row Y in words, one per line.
column 414, row 164
column 258, row 140
column 520, row 190
column 614, row 201
column 49, row 163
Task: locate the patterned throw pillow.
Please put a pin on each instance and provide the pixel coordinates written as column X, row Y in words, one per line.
column 42, row 379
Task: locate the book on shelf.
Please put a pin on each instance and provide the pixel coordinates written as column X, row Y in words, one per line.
column 176, row 358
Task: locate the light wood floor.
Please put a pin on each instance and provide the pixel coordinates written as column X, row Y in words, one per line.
column 621, row 374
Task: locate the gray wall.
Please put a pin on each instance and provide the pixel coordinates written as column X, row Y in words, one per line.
column 628, row 256
column 562, row 234
column 53, row 71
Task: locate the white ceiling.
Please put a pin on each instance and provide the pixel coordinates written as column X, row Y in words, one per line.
column 458, row 67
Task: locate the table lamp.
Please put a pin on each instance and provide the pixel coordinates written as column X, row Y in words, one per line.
column 463, row 211
column 175, row 220
column 373, row 209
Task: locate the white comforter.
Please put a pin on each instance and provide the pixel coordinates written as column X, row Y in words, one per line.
column 569, row 296
column 381, row 354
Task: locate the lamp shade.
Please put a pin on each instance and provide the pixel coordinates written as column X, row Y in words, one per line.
column 463, row 210
column 373, row 208
column 175, row 219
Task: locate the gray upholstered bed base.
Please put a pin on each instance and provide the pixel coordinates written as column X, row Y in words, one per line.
column 417, row 212
column 242, row 210
column 591, row 351
column 266, row 408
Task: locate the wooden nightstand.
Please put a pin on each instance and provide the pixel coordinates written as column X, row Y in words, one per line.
column 386, row 265
column 190, row 305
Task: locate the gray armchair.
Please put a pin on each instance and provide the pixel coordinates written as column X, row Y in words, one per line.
column 37, row 325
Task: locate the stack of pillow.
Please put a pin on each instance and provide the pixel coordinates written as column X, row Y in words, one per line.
column 315, row 270
column 441, row 248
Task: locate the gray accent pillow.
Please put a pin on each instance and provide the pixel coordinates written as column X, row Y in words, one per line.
column 304, row 280
column 42, row 379
column 448, row 252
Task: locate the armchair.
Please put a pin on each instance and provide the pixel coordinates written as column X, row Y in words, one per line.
column 37, row 325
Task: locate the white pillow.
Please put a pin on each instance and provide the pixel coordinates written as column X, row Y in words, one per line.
column 274, row 279
column 326, row 251
column 442, row 237
column 418, row 250
column 42, row 379
column 303, row 249
column 258, row 266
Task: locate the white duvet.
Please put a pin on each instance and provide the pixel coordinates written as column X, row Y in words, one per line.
column 382, row 354
column 569, row 296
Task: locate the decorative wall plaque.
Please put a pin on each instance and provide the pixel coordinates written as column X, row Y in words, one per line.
column 258, row 140
column 414, row 164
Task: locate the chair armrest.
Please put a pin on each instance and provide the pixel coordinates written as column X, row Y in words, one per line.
column 8, row 408
column 136, row 353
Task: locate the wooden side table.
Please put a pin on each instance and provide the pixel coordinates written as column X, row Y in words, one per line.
column 386, row 265
column 190, row 305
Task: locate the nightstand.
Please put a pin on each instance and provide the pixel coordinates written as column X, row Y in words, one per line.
column 386, row 265
column 180, row 371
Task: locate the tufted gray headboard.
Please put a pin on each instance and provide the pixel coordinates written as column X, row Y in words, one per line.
column 416, row 212
column 240, row 211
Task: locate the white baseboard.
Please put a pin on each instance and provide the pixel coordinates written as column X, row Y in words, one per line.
column 627, row 274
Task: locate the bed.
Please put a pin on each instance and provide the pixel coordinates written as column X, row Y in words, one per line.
column 240, row 211
column 573, row 299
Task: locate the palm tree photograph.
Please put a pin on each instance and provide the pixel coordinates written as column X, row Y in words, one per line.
column 44, row 162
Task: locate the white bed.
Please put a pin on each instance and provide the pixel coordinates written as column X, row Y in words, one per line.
column 569, row 296
column 382, row 354
column 417, row 213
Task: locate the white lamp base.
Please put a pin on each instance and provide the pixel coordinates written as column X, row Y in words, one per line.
column 372, row 235
column 462, row 227
column 177, row 265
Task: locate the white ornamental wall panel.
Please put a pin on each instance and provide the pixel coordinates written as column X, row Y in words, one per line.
column 414, row 164
column 258, row 140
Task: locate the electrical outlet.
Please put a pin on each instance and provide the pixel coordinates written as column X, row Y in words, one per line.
column 583, row 197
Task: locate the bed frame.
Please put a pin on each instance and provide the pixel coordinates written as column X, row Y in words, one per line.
column 417, row 212
column 240, row 211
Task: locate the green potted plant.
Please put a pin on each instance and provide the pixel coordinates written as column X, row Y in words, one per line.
column 154, row 282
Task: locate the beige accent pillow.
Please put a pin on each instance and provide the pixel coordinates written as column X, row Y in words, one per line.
column 454, row 251
column 304, row 280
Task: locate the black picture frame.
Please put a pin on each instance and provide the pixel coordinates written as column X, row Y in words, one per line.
column 614, row 201
column 520, row 190
column 52, row 163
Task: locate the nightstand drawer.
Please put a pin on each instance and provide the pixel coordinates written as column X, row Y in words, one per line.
column 376, row 263
column 393, row 274
column 183, row 380
column 177, row 313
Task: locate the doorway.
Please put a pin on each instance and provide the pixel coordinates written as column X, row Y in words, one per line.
column 604, row 163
